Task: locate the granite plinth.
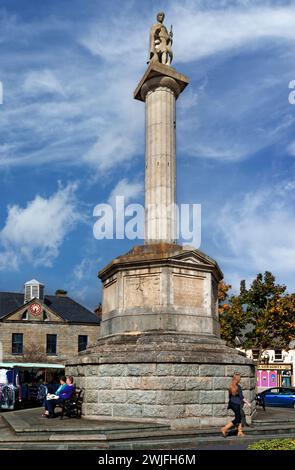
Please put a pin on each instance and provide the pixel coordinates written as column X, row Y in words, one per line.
column 175, row 379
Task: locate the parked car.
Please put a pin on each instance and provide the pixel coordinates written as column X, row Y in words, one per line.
column 277, row 396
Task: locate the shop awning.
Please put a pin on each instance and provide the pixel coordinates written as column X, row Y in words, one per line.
column 31, row 365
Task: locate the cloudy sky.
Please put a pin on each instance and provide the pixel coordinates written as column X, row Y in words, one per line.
column 72, row 136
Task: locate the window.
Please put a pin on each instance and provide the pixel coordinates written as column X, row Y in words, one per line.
column 17, row 343
column 273, row 391
column 41, row 292
column 51, row 344
column 35, row 291
column 27, row 293
column 82, row 342
column 25, row 315
column 278, row 355
column 255, row 354
column 288, row 391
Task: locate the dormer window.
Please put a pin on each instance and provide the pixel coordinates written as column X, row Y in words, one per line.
column 25, row 315
column 34, row 290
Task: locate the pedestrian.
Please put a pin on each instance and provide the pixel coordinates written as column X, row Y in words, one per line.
column 236, row 400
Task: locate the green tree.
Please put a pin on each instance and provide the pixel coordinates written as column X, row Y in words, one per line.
column 263, row 316
column 231, row 315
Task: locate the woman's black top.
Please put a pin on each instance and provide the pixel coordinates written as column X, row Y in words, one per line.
column 237, row 399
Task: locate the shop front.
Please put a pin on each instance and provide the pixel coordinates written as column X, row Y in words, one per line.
column 26, row 384
column 273, row 375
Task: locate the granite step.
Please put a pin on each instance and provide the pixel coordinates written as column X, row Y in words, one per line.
column 145, row 444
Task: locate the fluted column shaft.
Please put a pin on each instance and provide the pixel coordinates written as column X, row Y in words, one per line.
column 160, row 161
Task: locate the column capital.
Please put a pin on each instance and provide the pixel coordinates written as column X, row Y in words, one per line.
column 160, row 75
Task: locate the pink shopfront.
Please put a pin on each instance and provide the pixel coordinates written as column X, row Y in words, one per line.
column 274, row 375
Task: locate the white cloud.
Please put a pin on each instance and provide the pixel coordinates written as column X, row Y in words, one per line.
column 257, row 232
column 200, row 29
column 131, row 190
column 34, row 233
column 98, row 124
column 203, row 33
column 8, row 260
column 84, row 270
column 42, row 81
column 82, row 283
column 112, row 148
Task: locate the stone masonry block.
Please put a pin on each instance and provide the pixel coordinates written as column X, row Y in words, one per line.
column 99, row 383
column 112, row 396
column 178, row 369
column 91, row 370
column 245, row 371
column 177, row 397
column 126, row 383
column 91, row 396
column 221, row 383
column 198, row 410
column 97, row 410
column 139, row 396
column 220, row 410
column 212, row 370
column 199, row 383
column 212, row 396
column 163, row 411
column 127, row 410
column 140, row 369
column 81, row 371
column 112, row 370
column 163, row 383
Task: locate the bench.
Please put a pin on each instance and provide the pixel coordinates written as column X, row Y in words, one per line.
column 72, row 407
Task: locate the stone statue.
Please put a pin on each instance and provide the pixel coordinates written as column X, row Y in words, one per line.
column 160, row 42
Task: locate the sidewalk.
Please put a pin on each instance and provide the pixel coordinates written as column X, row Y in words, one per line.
column 26, row 429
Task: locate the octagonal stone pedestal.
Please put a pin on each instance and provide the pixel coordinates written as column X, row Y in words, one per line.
column 174, row 379
column 162, row 287
column 160, row 357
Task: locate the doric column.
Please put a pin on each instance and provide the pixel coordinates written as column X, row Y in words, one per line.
column 159, row 89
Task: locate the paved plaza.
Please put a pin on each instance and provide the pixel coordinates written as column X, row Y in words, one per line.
column 26, row 429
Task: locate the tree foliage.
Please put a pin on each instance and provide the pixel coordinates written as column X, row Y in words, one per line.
column 262, row 316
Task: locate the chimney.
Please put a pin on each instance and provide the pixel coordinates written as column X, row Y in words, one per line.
column 61, row 293
column 98, row 311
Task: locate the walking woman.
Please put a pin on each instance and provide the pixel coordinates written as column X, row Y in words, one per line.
column 236, row 399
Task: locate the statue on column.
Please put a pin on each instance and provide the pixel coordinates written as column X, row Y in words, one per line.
column 160, row 42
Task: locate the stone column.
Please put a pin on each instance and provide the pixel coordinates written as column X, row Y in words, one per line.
column 159, row 89
column 160, row 162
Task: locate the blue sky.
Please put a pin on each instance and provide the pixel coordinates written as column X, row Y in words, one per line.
column 72, row 136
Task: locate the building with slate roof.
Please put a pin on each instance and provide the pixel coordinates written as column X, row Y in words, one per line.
column 40, row 328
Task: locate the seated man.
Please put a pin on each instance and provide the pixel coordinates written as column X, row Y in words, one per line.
column 64, row 392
